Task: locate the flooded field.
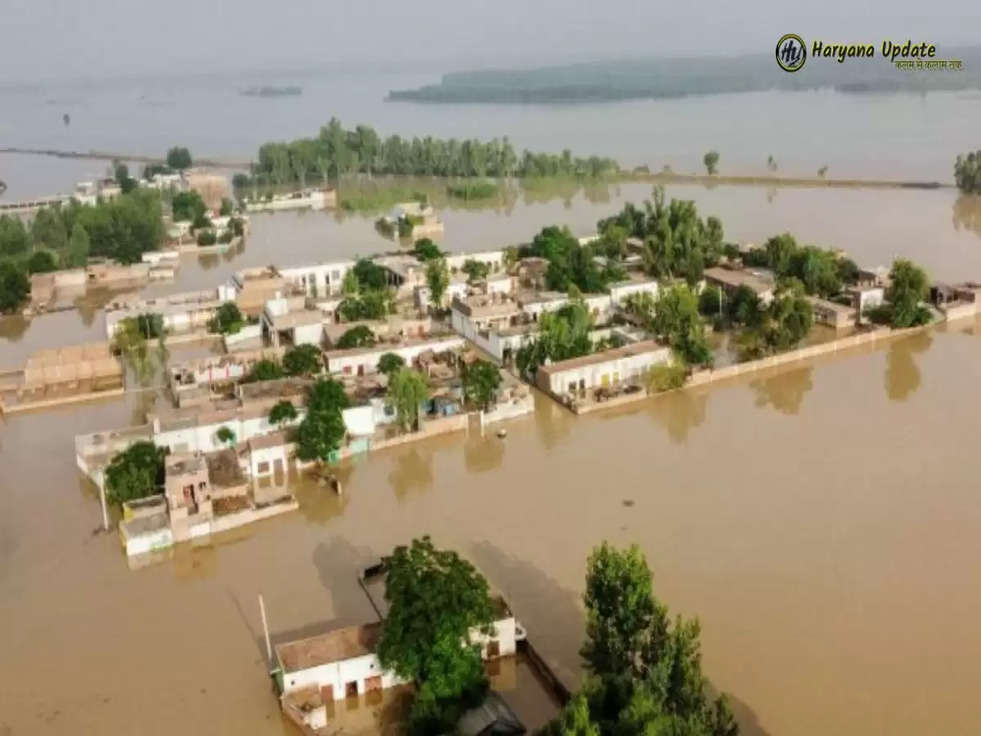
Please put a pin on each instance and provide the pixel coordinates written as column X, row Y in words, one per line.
column 822, row 522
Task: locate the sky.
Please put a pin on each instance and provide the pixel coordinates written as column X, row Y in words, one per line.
column 68, row 39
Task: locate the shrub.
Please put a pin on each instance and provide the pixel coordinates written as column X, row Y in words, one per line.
column 206, row 237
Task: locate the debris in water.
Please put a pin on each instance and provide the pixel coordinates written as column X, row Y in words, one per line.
column 502, row 433
column 628, row 502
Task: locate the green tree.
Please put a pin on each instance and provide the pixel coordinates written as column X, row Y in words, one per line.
column 360, row 336
column 389, row 363
column 908, row 288
column 228, row 319
column 710, row 301
column 481, row 379
column 426, row 250
column 475, row 270
column 574, row 720
column 48, row 229
column 227, row 207
column 77, row 254
column 14, row 286
column 350, row 285
column 41, row 261
column 136, row 472
column 438, row 280
column 407, row 390
column 225, row 435
column 711, row 161
column 371, row 276
column 780, row 252
column 264, row 370
column 131, row 339
column 967, row 172
column 620, row 609
column 188, row 207
column 303, row 360
column 179, row 158
column 320, row 433
column 282, row 413
column 14, row 240
column 677, row 320
column 435, row 601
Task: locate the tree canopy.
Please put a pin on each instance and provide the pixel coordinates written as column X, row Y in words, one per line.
column 426, row 250
column 711, row 161
column 303, row 360
column 14, row 286
column 337, row 151
column 282, row 413
column 563, row 334
column 569, row 262
column 676, row 241
column 179, row 158
column 265, row 369
column 481, row 380
column 359, row 336
column 907, row 289
column 320, row 433
column 136, row 472
column 228, row 319
column 967, row 172
column 678, row 321
column 645, row 676
column 437, row 279
column 407, row 390
column 475, row 270
column 435, row 600
column 779, row 326
column 188, row 207
column 389, row 363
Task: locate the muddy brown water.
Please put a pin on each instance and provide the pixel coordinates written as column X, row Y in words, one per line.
column 821, row 521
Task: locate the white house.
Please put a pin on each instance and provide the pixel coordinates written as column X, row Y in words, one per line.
column 623, row 289
column 363, row 361
column 493, row 258
column 180, row 312
column 288, row 321
column 318, row 280
column 342, row 663
column 607, row 368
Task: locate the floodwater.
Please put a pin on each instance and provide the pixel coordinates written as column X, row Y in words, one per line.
column 902, row 136
column 821, row 522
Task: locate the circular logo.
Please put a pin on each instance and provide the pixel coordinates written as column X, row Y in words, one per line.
column 791, row 52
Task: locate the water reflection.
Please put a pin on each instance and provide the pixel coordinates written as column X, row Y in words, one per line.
column 13, row 327
column 902, row 374
column 967, row 213
column 481, row 454
column 551, row 420
column 319, row 503
column 679, row 412
column 785, row 391
column 411, row 471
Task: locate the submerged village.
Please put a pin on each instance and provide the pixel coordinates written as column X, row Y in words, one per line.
column 316, row 364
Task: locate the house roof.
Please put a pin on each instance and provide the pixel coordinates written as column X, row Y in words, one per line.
column 738, row 278
column 334, row 646
column 627, row 351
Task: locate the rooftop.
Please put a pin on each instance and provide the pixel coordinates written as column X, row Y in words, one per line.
column 479, row 305
column 627, row 351
column 183, row 464
column 755, row 280
column 334, row 646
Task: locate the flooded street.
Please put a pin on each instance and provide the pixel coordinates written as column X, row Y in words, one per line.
column 822, row 522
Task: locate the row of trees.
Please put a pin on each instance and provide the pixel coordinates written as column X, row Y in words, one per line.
column 300, row 360
column 337, row 151
column 821, row 272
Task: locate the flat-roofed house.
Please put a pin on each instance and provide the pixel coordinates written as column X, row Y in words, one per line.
column 832, row 314
column 609, row 368
column 288, row 322
column 731, row 279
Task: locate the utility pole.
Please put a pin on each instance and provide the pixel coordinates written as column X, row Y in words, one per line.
column 102, row 499
column 265, row 629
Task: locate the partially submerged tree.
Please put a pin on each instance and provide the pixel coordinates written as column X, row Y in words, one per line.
column 136, row 472
column 407, row 390
column 282, row 413
column 677, row 320
column 907, row 290
column 711, row 161
column 436, row 600
column 320, row 433
column 481, row 380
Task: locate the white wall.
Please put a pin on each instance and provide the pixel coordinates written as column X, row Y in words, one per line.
column 325, row 278
column 368, row 360
column 338, row 674
column 619, row 369
column 618, row 293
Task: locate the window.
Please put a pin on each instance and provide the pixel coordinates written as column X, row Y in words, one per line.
column 262, row 467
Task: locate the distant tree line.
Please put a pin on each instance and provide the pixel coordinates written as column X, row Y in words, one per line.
column 337, row 151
